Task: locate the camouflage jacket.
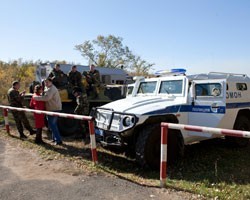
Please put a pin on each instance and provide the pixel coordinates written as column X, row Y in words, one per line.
column 56, row 74
column 75, row 78
column 14, row 98
column 82, row 107
column 93, row 77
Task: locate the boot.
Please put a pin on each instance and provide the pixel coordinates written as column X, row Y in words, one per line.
column 32, row 132
column 22, row 136
column 38, row 139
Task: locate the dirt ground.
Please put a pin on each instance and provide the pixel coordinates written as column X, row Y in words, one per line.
column 25, row 175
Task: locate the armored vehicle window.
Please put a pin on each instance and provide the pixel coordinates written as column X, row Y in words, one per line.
column 146, row 87
column 241, row 86
column 171, row 87
column 208, row 89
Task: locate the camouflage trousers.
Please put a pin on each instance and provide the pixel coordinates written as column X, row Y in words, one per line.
column 83, row 107
column 21, row 120
column 93, row 91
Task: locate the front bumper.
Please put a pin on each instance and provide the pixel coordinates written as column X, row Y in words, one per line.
column 110, row 120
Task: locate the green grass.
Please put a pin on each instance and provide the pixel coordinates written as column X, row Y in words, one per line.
column 211, row 169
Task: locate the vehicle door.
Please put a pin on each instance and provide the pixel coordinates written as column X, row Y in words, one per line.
column 208, row 103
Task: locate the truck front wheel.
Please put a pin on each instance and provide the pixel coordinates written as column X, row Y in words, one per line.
column 148, row 146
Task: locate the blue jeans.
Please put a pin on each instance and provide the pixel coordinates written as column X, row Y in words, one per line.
column 52, row 121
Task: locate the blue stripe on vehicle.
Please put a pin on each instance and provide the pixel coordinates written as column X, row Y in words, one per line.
column 238, row 105
column 198, row 109
column 187, row 108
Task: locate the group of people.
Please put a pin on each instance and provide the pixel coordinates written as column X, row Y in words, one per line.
column 74, row 79
column 47, row 97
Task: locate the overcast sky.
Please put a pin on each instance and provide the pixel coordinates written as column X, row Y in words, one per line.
column 199, row 35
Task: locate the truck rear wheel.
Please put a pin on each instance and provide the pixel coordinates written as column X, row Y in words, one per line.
column 68, row 127
column 242, row 123
column 148, row 146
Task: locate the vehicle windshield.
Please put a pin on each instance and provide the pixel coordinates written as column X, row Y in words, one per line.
column 147, row 87
column 171, row 87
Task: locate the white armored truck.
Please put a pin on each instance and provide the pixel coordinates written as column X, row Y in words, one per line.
column 132, row 125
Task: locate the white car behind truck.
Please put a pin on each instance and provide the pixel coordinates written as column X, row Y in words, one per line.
column 132, row 125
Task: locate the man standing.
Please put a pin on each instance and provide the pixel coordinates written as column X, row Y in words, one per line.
column 52, row 103
column 58, row 77
column 82, row 108
column 15, row 99
column 93, row 80
column 75, row 77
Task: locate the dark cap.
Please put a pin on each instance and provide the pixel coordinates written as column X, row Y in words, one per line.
column 76, row 89
column 15, row 83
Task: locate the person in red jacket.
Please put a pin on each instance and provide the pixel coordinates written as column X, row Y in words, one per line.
column 39, row 118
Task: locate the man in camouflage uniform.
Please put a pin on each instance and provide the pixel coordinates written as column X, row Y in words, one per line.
column 58, row 77
column 93, row 79
column 15, row 99
column 82, row 108
column 75, row 77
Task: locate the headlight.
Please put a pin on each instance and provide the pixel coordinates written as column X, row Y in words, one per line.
column 128, row 121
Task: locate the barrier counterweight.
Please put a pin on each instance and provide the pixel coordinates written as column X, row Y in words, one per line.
column 65, row 115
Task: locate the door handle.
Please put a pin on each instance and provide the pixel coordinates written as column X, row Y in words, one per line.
column 214, row 105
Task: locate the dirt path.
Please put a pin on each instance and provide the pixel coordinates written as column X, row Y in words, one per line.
column 24, row 175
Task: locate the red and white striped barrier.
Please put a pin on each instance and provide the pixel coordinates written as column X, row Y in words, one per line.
column 164, row 136
column 6, row 120
column 65, row 115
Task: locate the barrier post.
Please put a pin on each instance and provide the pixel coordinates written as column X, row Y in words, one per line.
column 6, row 120
column 92, row 141
column 163, row 164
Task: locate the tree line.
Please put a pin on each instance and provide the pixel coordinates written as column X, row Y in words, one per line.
column 15, row 70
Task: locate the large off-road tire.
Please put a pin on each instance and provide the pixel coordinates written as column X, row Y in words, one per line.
column 148, row 146
column 242, row 123
column 67, row 126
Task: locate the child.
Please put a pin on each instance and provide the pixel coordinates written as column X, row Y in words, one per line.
column 39, row 118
